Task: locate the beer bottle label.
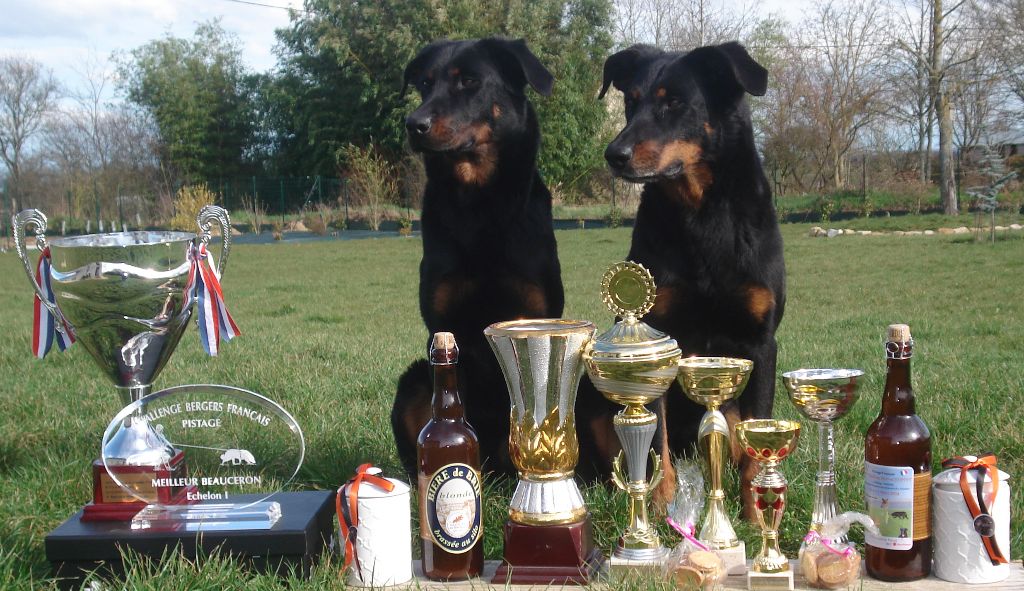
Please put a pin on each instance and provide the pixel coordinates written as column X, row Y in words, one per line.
column 898, row 501
column 453, row 509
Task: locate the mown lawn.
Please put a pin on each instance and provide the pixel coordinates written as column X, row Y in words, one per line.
column 329, row 327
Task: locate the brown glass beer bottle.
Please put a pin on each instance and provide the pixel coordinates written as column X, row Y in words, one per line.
column 448, row 456
column 898, row 474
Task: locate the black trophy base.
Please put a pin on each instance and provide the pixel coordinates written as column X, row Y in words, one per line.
column 549, row 555
column 76, row 548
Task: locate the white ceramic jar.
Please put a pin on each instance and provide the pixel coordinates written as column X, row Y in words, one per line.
column 960, row 555
column 383, row 537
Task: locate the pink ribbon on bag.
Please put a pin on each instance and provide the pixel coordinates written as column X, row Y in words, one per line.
column 686, row 532
column 813, row 536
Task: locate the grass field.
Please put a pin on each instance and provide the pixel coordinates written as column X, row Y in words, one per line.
column 329, row 327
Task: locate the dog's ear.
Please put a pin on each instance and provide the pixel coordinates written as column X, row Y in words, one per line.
column 419, row 62
column 518, row 64
column 730, row 69
column 620, row 67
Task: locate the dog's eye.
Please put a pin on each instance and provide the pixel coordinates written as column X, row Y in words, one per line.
column 426, row 83
column 469, row 82
column 673, row 102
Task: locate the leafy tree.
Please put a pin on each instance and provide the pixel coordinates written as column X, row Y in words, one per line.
column 340, row 80
column 200, row 95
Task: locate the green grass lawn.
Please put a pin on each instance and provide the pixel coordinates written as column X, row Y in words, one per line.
column 329, row 327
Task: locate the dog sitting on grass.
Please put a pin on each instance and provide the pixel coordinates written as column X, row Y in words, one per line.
column 489, row 251
column 706, row 226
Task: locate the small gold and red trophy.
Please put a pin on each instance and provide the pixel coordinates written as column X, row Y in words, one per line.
column 768, row 442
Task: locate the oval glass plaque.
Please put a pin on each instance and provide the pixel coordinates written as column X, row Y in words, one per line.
column 225, row 452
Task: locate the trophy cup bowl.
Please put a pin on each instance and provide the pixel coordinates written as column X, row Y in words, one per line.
column 127, row 299
column 768, row 442
column 712, row 381
column 824, row 395
column 633, row 364
column 548, row 537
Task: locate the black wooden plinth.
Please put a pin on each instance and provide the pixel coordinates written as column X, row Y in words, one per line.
column 76, row 548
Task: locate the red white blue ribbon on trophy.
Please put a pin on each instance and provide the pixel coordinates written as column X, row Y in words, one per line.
column 44, row 325
column 214, row 320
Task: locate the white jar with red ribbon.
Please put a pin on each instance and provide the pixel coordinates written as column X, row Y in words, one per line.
column 375, row 529
column 971, row 536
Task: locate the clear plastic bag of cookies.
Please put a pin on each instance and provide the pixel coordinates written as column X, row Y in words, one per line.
column 691, row 565
column 826, row 563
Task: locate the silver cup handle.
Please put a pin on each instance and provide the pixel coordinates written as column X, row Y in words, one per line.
column 207, row 216
column 21, row 221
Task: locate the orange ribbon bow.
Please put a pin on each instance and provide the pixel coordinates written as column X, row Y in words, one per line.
column 985, row 466
column 347, row 507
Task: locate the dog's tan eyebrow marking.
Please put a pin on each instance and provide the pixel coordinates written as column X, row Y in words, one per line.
column 430, row 75
column 661, row 92
column 496, row 110
column 454, row 72
column 635, row 93
column 708, row 129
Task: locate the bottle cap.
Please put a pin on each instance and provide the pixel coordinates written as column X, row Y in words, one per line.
column 899, row 333
column 443, row 348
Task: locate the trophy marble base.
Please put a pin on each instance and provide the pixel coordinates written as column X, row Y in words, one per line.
column 110, row 502
column 622, row 570
column 548, row 555
column 770, row 581
column 735, row 559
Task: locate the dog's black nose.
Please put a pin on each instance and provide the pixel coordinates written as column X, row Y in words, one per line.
column 618, row 156
column 417, row 125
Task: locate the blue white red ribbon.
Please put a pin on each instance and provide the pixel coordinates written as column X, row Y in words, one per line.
column 44, row 325
column 214, row 320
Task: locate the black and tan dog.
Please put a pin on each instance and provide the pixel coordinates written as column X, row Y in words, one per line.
column 706, row 226
column 489, row 251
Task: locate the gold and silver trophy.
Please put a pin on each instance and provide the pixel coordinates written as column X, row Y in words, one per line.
column 548, row 535
column 823, row 396
column 633, row 364
column 711, row 382
column 768, row 442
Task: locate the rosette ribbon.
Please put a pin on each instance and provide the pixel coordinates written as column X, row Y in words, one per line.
column 46, row 328
column 214, row 320
column 985, row 466
column 346, row 504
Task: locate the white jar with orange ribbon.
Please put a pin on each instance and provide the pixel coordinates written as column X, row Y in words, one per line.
column 971, row 530
column 374, row 520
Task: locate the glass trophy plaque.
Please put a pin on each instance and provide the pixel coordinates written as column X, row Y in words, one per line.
column 241, row 447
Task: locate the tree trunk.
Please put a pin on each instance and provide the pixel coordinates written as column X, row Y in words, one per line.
column 947, row 188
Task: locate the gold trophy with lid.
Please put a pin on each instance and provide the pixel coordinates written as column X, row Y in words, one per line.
column 633, row 364
column 711, row 382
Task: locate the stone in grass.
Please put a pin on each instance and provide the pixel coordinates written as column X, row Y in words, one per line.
column 1000, row 228
column 832, row 232
column 962, row 230
column 817, row 231
column 865, row 232
column 898, row 233
column 1016, row 227
column 914, row 233
column 946, row 231
column 929, row 232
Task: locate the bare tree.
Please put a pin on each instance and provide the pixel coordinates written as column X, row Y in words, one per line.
column 28, row 92
column 1006, row 19
column 845, row 40
column 912, row 101
column 709, row 22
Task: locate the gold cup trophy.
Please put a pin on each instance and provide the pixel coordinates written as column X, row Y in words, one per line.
column 711, row 382
column 633, row 364
column 768, row 442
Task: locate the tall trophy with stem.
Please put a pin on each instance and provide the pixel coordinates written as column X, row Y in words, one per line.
column 768, row 442
column 713, row 381
column 823, row 396
column 633, row 364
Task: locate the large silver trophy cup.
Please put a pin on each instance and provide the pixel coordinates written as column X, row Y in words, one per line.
column 127, row 298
